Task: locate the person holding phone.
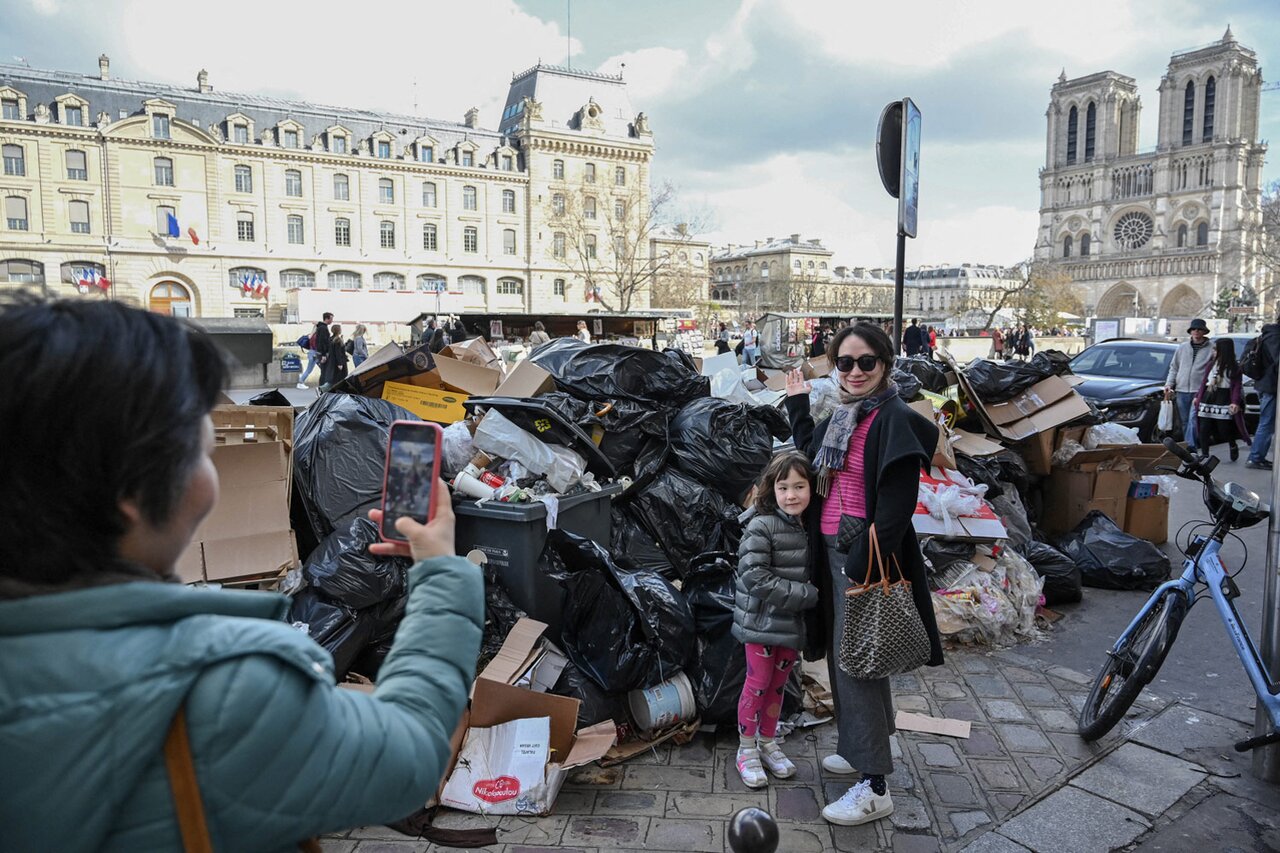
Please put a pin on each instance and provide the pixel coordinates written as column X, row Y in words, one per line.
column 105, row 656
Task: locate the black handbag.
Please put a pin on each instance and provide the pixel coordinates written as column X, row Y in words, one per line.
column 883, row 632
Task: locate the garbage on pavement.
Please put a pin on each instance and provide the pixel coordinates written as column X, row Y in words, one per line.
column 1109, row 558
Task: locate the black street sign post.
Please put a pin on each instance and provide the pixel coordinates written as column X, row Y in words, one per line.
column 898, row 156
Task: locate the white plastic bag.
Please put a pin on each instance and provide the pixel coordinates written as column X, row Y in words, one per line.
column 1164, row 422
column 500, row 438
column 1104, row 434
column 824, row 396
column 457, row 450
column 727, row 385
column 949, row 502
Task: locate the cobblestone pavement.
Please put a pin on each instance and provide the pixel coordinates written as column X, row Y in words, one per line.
column 1023, row 780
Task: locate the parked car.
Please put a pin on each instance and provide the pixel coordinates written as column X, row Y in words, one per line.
column 1125, row 379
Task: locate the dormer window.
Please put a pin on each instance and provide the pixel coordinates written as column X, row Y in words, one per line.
column 339, row 145
column 290, row 139
column 426, row 153
column 73, row 116
column 468, row 158
column 160, row 126
column 10, row 109
column 240, row 134
column 337, row 138
column 508, row 164
column 384, row 149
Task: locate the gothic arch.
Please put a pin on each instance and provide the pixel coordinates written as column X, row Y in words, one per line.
column 1122, row 300
column 1182, row 301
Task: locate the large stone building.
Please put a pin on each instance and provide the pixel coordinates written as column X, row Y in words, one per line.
column 941, row 293
column 1163, row 232
column 184, row 197
column 784, row 274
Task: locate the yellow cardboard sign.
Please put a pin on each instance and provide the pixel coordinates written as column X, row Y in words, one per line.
column 430, row 404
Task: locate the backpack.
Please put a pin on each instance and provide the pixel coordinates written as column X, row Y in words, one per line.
column 1253, row 361
column 350, row 347
column 305, row 342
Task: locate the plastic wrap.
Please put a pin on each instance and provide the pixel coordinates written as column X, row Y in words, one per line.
column 946, row 503
column 457, row 449
column 685, row 517
column 824, row 396
column 626, row 628
column 1062, row 580
column 727, row 385
column 611, row 372
column 1064, row 454
column 498, row 436
column 726, row 445
column 1100, row 435
column 1109, row 558
column 1013, row 515
column 344, row 571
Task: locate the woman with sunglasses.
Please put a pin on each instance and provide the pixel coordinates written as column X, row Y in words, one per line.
column 868, row 455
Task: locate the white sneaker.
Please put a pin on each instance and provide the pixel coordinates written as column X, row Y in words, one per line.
column 837, row 765
column 750, row 770
column 773, row 758
column 859, row 805
column 301, row 386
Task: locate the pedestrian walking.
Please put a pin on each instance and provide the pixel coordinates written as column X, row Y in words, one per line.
column 318, row 349
column 750, row 344
column 357, row 347
column 997, row 344
column 772, row 591
column 1219, row 402
column 818, row 347
column 912, row 339
column 867, row 456
column 335, row 361
column 582, row 334
column 722, row 340
column 1269, row 356
column 539, row 335
column 1190, row 360
column 933, row 341
column 114, row 670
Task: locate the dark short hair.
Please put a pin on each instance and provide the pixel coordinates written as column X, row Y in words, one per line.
column 779, row 468
column 327, row 316
column 101, row 403
column 871, row 335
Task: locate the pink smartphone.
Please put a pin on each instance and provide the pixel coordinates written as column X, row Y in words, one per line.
column 413, row 466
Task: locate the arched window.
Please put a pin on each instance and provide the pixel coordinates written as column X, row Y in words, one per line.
column 470, row 239
column 1085, row 243
column 557, row 169
column 387, row 234
column 468, row 198
column 22, row 271
column 163, row 171
column 1189, row 113
column 293, row 183
column 241, row 278
column 297, row 279
column 428, row 194
column 79, row 211
column 429, row 237
column 1090, row 130
column 296, row 232
column 341, row 187
column 82, row 274
column 430, row 282
column 344, row 280
column 1210, row 87
column 386, row 191
column 388, row 281
column 1202, row 234
column 1182, row 236
column 1066, row 246
column 620, row 176
column 508, row 201
column 171, row 299
column 510, row 287
column 1073, row 118
column 244, row 179
column 342, row 231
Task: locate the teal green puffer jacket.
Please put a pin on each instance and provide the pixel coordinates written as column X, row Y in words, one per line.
column 90, row 680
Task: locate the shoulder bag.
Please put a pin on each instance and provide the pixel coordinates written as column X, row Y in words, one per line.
column 883, row 633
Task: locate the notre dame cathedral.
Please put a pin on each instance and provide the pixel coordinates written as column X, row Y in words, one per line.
column 1161, row 232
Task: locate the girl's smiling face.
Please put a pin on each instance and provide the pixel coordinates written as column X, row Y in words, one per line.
column 792, row 492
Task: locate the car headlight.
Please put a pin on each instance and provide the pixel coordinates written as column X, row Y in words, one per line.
column 1127, row 413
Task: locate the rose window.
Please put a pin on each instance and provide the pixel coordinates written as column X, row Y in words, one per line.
column 1133, row 230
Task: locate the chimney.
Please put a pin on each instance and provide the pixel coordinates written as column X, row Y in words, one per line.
column 795, row 238
column 683, row 228
column 202, row 81
column 472, row 118
column 104, row 67
column 757, row 244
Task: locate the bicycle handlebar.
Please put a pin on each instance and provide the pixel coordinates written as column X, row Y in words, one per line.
column 1193, row 467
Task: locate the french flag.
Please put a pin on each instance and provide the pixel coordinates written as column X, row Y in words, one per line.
column 254, row 285
column 88, row 277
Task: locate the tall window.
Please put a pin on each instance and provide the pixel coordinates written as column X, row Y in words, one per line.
column 468, row 158
column 620, row 176
column 508, row 164
column 160, row 126
column 240, row 134
column 619, row 210
column 244, row 179
column 557, row 204
column 428, row 194
column 386, row 191
column 471, row 285
column 426, row 153
column 1090, row 130
column 77, row 166
column 1182, row 236
column 619, row 247
column 244, row 226
column 429, row 241
column 9, row 107
column 338, row 143
column 297, row 280
column 1202, row 234
column 163, row 212
column 557, row 244
column 1066, row 246
column 470, row 239
column 557, row 169
column 15, row 212
column 341, row 188
column 15, row 160
column 468, row 198
column 293, row 183
column 291, row 139
column 164, row 171
column 589, row 207
column 1210, row 90
column 79, row 217
column 296, row 233
column 73, row 116
column 1085, row 244
column 1073, row 118
column 1189, row 113
column 342, row 231
column 344, row 280
column 589, row 173
column 508, row 201
column 384, row 150
column 509, row 241
column 387, row 234
column 590, row 241
column 388, row 281
column 557, row 287
column 510, row 287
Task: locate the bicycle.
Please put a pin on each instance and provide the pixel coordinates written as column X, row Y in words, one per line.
column 1137, row 655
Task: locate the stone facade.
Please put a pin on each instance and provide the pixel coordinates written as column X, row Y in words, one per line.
column 682, row 268
column 356, row 209
column 1161, row 233
column 772, row 275
column 939, row 293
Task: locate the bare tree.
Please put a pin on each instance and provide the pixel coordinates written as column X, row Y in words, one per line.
column 1042, row 289
column 1255, row 250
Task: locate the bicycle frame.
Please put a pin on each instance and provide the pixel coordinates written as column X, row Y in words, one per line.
column 1207, row 568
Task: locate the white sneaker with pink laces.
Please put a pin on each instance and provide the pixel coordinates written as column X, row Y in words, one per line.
column 749, row 768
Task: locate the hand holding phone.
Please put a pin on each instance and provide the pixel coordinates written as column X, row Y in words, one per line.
column 423, row 541
column 410, row 485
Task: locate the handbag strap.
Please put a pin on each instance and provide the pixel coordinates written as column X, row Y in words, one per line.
column 876, row 558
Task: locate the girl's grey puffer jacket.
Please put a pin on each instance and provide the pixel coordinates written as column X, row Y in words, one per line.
column 772, row 583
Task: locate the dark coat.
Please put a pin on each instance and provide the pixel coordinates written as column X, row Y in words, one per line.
column 895, row 450
column 911, row 340
column 1237, row 397
column 320, row 339
column 1269, row 342
column 771, row 587
column 335, row 369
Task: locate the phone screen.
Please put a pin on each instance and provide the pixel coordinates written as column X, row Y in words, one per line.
column 411, row 475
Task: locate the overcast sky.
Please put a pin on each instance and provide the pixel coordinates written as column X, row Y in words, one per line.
column 763, row 111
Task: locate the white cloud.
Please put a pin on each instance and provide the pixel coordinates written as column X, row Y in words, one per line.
column 650, row 73
column 45, row 7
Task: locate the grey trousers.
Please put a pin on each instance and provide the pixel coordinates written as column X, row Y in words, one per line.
column 864, row 709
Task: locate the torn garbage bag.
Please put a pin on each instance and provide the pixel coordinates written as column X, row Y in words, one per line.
column 718, row 674
column 928, row 372
column 499, row 437
column 1061, row 575
column 685, row 517
column 345, row 572
column 626, row 628
column 613, row 372
column 621, row 427
column 1109, row 558
column 726, row 445
column 997, row 381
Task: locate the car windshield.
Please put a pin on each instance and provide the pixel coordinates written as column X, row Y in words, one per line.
column 1124, row 361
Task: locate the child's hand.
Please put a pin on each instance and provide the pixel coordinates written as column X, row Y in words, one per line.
column 796, row 384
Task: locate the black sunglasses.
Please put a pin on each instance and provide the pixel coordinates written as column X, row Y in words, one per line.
column 866, row 363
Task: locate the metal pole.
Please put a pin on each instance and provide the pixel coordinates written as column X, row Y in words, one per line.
column 898, row 275
column 1266, row 759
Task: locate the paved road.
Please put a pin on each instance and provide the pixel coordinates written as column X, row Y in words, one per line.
column 1202, row 670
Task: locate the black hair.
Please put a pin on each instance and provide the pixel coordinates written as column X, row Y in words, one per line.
column 101, row 403
column 1224, row 350
column 326, row 316
column 871, row 335
column 779, row 468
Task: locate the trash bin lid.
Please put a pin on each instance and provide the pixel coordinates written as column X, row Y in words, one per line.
column 541, row 419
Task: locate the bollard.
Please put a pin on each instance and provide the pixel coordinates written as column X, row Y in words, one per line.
column 753, row 830
column 1266, row 759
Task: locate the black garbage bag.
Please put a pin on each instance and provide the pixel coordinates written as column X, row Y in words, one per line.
column 942, row 553
column 997, row 381
column 682, row 357
column 908, row 384
column 500, row 615
column 720, row 670
column 626, row 628
column 724, row 444
column 342, row 631
column 345, row 572
column 1062, row 578
column 685, row 517
column 1109, row 558
column 1013, row 470
column 386, row 620
column 982, row 470
column 629, row 540
column 270, row 398
column 625, row 425
column 930, row 374
column 339, row 452
column 597, row 706
column 612, row 372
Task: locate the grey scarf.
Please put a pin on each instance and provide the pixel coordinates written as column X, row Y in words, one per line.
column 844, row 420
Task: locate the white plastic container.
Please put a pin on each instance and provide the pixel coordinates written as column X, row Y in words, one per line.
column 663, row 705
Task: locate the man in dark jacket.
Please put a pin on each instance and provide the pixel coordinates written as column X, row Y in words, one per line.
column 319, row 351
column 911, row 338
column 1269, row 352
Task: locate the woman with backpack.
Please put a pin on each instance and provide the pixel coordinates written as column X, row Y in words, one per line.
column 357, row 348
column 1219, row 404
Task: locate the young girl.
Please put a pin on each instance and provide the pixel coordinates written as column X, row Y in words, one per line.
column 1219, row 404
column 773, row 591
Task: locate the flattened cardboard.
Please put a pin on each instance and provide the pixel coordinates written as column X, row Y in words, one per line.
column 430, row 404
column 517, row 649
column 907, row 721
column 775, row 380
column 1049, row 403
column 816, row 367
column 467, row 377
column 711, row 365
column 973, row 445
column 1148, row 518
column 527, row 380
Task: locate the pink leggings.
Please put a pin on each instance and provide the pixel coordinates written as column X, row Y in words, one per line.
column 761, row 702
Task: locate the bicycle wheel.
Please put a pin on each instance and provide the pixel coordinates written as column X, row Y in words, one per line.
column 1129, row 668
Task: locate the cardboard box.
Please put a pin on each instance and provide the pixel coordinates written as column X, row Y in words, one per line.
column 984, row 526
column 1037, row 451
column 518, row 769
column 475, row 351
column 1049, row 403
column 712, row 365
column 816, row 368
column 1074, row 492
column 943, row 457
column 430, row 404
column 1148, row 518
